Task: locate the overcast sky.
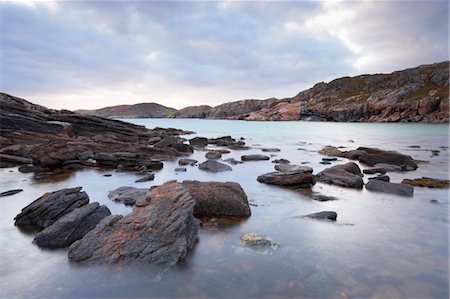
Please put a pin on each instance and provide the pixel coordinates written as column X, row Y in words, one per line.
column 93, row 54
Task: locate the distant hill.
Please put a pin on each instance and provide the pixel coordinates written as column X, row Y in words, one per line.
column 418, row 94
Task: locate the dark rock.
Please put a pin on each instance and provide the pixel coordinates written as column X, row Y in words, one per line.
column 435, row 152
column 183, row 162
column 223, row 141
column 31, row 168
column 233, row 161
column 85, row 155
column 180, row 169
column 107, row 175
column 182, row 148
column 346, row 175
column 325, row 215
column 213, row 155
column 381, row 178
column 293, row 168
column 146, row 178
column 239, row 147
column 127, row 195
column 215, row 199
column 154, row 140
column 10, row 192
column 329, row 159
column 199, row 141
column 331, row 151
column 321, row 197
column 374, row 170
column 254, row 158
column 388, row 167
column 372, row 156
column 270, row 150
column 391, row 188
column 72, row 226
column 413, row 146
column 168, row 141
column 434, row 201
column 427, row 182
column 48, row 208
column 324, row 162
column 160, row 230
column 294, row 179
column 214, row 166
column 281, row 161
column 14, row 160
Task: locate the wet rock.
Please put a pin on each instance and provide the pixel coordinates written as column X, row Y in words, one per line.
column 107, row 175
column 220, row 150
column 427, row 182
column 270, row 150
column 293, row 168
column 168, row 141
column 180, row 169
column 346, row 175
column 329, row 159
column 160, row 230
column 146, row 178
column 190, row 162
column 321, row 197
column 325, row 162
column 374, row 170
column 10, row 192
column 31, row 168
column 223, row 141
column 381, row 178
column 257, row 241
column 331, row 151
column 233, row 161
column 281, row 161
column 388, row 167
column 373, row 156
column 294, row 179
column 199, row 141
column 182, row 148
column 254, row 158
column 72, row 226
column 127, row 195
column 325, row 215
column 214, row 166
column 434, row 201
column 213, row 155
column 48, row 208
column 391, row 188
column 14, row 160
column 239, row 147
column 216, row 199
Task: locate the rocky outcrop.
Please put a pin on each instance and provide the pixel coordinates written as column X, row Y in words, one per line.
column 391, row 188
column 160, row 230
column 346, row 175
column 48, row 208
column 293, row 179
column 127, row 195
column 216, row 199
column 72, row 226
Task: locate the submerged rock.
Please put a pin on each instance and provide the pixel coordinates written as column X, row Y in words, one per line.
column 160, row 230
column 146, row 178
column 10, row 192
column 294, row 179
column 391, row 188
column 374, row 170
column 213, row 155
column 257, row 241
column 427, row 182
column 321, row 197
column 214, row 166
column 127, row 195
column 270, row 150
column 233, row 161
column 199, row 141
column 183, row 162
column 281, row 161
column 48, row 208
column 180, row 169
column 346, row 175
column 72, row 226
column 254, row 157
column 325, row 215
column 216, row 199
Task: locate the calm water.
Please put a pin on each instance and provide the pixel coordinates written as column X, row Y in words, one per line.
column 382, row 246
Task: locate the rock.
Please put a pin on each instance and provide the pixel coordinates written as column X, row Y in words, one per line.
column 331, row 151
column 329, row 159
column 168, row 141
column 294, row 179
column 325, row 215
column 180, row 169
column 373, row 156
column 257, row 241
column 153, row 140
column 183, row 162
column 214, row 166
column 281, row 161
column 388, row 167
column 85, row 155
column 146, row 178
column 10, row 192
column 216, row 199
column 31, row 168
column 72, row 226
column 374, row 170
column 233, row 161
column 321, row 197
column 182, row 148
column 427, row 182
column 254, row 158
column 435, row 152
column 48, row 208
column 293, row 168
column 127, row 195
column 199, row 141
column 391, row 188
column 14, row 160
column 346, row 175
column 325, row 162
column 107, row 175
column 270, row 150
column 413, row 146
column 213, row 155
column 434, row 201
column 238, row 147
column 223, row 141
column 381, row 178
column 161, row 230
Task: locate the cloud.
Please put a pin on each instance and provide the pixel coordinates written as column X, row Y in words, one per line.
column 94, row 54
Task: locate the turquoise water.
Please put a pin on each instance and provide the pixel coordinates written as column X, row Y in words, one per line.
column 382, row 246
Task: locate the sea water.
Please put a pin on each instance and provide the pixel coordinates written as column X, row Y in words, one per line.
column 381, row 246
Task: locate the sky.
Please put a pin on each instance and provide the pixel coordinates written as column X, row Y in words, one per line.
column 87, row 55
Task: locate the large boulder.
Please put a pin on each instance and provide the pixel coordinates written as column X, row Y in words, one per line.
column 372, row 156
column 391, row 188
column 214, row 166
column 72, row 226
column 48, row 208
column 160, row 230
column 294, row 179
column 127, row 195
column 346, row 175
column 216, row 199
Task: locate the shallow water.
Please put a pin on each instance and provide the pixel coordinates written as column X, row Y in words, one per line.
column 382, row 246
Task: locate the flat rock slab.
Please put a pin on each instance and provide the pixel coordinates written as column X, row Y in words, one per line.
column 346, row 175
column 216, row 199
column 72, row 226
column 293, row 168
column 180, row 169
column 325, row 215
column 48, row 208
column 374, row 170
column 233, row 161
column 127, row 195
column 254, row 158
column 214, row 166
column 160, row 230
column 391, row 188
column 388, row 167
column 293, row 179
column 427, row 182
column 10, row 192
column 184, row 162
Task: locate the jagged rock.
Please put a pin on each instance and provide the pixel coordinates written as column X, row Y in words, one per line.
column 294, row 179
column 127, row 195
column 10, row 192
column 258, row 241
column 146, row 178
column 346, row 175
column 381, row 178
column 72, row 226
column 281, row 161
column 160, row 230
column 48, row 208
column 214, row 166
column 199, row 141
column 270, row 150
column 216, row 199
column 325, row 215
column 391, row 188
column 427, row 182
column 213, row 155
column 183, row 162
column 254, row 158
column 293, row 168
